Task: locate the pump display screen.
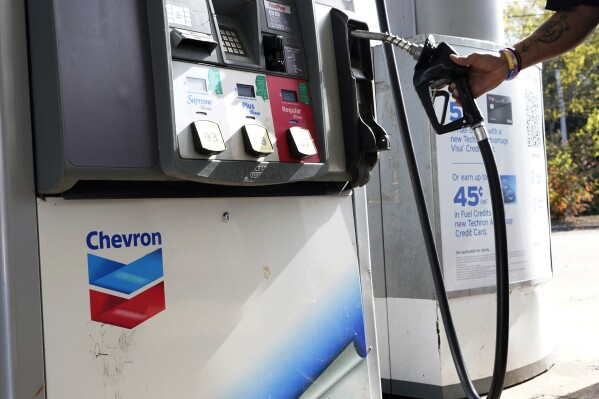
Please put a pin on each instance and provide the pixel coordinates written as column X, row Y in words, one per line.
column 289, row 96
column 245, row 90
column 197, row 84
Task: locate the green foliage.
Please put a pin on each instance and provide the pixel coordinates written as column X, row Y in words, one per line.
column 568, row 193
column 573, row 167
column 572, row 174
column 579, row 70
column 591, row 134
column 521, row 18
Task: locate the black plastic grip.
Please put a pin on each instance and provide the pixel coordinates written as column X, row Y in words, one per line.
column 435, row 68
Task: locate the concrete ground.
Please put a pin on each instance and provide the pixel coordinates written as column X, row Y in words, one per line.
column 575, row 374
column 576, row 287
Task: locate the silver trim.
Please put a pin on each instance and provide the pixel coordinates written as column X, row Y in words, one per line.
column 21, row 339
column 360, row 205
column 480, row 132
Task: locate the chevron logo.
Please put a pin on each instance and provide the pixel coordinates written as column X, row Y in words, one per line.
column 126, row 295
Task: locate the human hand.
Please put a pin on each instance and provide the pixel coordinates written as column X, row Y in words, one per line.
column 486, row 72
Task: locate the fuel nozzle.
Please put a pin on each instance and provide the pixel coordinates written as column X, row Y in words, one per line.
column 434, row 70
column 411, row 48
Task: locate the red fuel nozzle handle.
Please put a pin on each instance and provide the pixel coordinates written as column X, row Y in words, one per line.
column 434, row 69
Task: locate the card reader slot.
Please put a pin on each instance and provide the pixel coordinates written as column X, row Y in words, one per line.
column 188, row 40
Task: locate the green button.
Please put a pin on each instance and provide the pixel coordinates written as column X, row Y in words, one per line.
column 304, row 97
column 261, row 88
column 214, row 81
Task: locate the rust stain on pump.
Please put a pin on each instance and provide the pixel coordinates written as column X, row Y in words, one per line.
column 266, row 272
column 39, row 392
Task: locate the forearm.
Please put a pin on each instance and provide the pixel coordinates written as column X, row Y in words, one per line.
column 562, row 32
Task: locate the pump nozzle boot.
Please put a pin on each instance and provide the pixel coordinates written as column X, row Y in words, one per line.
column 362, row 135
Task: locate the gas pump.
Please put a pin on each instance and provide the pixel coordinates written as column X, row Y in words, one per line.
column 200, row 216
column 419, row 352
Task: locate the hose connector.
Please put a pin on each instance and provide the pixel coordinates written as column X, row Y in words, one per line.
column 411, row 48
column 480, row 132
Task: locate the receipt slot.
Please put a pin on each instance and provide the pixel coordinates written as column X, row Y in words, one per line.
column 198, row 210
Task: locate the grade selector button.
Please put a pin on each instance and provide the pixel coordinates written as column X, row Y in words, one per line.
column 300, row 141
column 207, row 137
column 256, row 140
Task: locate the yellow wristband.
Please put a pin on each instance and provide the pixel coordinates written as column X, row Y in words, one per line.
column 510, row 64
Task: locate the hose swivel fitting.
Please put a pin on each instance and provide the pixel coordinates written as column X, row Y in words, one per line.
column 411, row 48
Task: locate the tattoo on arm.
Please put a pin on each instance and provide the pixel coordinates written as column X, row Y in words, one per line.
column 549, row 32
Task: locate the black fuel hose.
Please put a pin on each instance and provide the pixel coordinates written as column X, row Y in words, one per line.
column 502, row 265
column 501, row 346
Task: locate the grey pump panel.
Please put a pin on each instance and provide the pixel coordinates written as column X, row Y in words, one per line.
column 223, row 92
column 93, row 100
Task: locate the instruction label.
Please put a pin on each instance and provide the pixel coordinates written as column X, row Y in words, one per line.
column 294, row 61
column 178, row 15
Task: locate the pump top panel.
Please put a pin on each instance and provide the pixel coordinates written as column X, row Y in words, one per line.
column 234, row 100
column 231, row 92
